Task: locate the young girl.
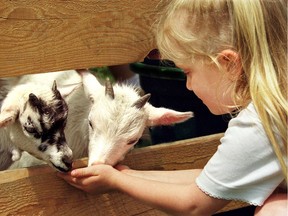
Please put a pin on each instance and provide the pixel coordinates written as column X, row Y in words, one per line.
column 234, row 53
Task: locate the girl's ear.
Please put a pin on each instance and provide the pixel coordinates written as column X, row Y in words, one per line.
column 231, row 62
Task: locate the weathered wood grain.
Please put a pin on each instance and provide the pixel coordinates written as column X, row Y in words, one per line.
column 38, row 191
column 48, row 35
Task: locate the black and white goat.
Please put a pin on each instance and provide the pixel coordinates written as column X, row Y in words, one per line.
column 32, row 119
column 103, row 120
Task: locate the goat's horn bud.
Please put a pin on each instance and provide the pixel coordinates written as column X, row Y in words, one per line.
column 54, row 87
column 109, row 88
column 55, row 90
column 142, row 101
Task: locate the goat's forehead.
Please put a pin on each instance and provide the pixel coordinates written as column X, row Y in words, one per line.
column 115, row 110
column 117, row 120
column 124, row 96
column 50, row 103
column 119, row 111
column 51, row 110
column 117, row 107
column 30, row 115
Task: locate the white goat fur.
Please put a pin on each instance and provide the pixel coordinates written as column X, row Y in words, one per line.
column 116, row 124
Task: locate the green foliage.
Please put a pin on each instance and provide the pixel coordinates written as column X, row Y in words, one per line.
column 102, row 73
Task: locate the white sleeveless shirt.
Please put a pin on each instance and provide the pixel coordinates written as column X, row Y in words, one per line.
column 245, row 166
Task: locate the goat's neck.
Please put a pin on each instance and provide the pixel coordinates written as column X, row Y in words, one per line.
column 77, row 125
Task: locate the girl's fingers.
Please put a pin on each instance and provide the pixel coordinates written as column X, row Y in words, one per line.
column 78, row 174
column 73, row 180
column 84, row 172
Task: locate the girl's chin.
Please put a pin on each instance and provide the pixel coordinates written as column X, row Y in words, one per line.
column 215, row 108
column 218, row 110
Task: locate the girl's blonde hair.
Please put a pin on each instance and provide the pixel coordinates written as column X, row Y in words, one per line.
column 257, row 31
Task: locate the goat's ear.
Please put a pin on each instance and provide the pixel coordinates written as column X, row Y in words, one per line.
column 164, row 116
column 66, row 90
column 8, row 116
column 90, row 84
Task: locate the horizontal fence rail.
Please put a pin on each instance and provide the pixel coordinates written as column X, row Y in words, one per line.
column 39, row 191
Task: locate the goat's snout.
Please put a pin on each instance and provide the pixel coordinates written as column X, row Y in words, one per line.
column 68, row 162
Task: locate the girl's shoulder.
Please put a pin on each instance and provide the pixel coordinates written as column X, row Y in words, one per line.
column 246, row 129
column 248, row 114
column 245, row 166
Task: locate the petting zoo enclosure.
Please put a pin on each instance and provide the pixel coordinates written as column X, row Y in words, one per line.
column 48, row 35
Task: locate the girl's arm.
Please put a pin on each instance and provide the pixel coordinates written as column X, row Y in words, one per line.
column 175, row 176
column 172, row 196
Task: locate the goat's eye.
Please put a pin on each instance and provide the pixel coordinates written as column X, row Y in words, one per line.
column 132, row 142
column 47, row 112
column 31, row 130
column 90, row 123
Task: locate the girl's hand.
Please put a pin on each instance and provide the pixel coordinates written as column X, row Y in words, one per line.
column 98, row 178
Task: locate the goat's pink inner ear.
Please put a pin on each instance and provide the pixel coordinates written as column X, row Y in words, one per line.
column 164, row 116
column 168, row 119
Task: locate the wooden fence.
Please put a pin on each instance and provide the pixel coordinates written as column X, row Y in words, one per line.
column 51, row 35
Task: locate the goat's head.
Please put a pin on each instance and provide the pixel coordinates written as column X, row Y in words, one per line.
column 118, row 117
column 35, row 118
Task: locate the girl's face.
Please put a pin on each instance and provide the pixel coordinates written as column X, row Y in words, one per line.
column 211, row 85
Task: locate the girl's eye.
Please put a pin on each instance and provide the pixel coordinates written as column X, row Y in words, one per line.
column 132, row 142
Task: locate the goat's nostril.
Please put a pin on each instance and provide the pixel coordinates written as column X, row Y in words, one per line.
column 67, row 161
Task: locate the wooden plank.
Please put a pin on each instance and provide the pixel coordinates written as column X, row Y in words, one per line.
column 37, row 190
column 48, row 35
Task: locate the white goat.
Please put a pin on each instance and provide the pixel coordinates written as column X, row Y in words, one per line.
column 118, row 117
column 107, row 120
column 32, row 119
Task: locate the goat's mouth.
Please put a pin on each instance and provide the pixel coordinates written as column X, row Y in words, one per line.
column 61, row 169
